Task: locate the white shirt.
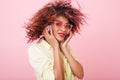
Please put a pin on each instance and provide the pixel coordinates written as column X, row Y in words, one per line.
column 42, row 60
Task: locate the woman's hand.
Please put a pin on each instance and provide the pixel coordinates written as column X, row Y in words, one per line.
column 64, row 44
column 49, row 37
column 58, row 63
column 76, row 67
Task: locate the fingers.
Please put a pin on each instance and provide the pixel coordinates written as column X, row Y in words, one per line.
column 47, row 29
column 51, row 32
column 47, row 32
column 69, row 37
column 71, row 34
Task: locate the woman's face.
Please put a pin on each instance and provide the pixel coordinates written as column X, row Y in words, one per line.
column 61, row 27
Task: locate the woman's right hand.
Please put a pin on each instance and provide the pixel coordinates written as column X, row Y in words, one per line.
column 58, row 64
column 49, row 37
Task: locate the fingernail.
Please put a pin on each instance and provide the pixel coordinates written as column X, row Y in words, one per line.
column 48, row 28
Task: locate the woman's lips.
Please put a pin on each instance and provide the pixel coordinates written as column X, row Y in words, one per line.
column 61, row 34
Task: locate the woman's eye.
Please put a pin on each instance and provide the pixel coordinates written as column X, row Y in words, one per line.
column 68, row 26
column 58, row 23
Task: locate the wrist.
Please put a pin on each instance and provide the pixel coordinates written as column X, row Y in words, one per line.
column 55, row 45
column 64, row 48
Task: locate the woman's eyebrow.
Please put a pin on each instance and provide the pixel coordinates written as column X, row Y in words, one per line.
column 58, row 20
column 61, row 21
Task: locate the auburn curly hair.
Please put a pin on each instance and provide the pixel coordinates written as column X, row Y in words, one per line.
column 47, row 15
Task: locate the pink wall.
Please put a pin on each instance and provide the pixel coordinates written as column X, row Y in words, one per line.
column 97, row 47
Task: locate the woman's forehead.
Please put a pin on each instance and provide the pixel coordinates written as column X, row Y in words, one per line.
column 62, row 19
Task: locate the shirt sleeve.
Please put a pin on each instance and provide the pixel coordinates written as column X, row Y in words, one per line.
column 42, row 65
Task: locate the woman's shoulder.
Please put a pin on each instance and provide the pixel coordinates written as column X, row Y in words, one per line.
column 36, row 46
column 35, row 49
column 38, row 49
column 42, row 45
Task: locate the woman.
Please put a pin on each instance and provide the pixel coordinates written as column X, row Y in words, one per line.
column 53, row 26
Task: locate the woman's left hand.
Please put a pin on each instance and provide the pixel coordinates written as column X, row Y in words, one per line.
column 64, row 44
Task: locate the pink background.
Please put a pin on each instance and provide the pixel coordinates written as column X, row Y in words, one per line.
column 97, row 47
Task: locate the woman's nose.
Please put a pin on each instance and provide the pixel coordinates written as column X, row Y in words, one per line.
column 63, row 28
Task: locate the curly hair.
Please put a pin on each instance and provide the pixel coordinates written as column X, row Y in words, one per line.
column 47, row 15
